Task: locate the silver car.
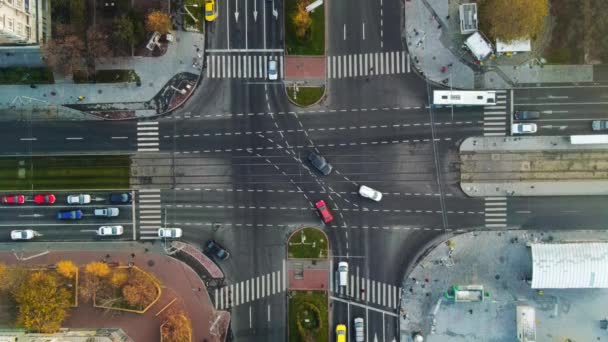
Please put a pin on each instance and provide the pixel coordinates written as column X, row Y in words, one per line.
column 79, row 199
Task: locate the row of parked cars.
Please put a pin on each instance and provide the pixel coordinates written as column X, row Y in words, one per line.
column 120, row 198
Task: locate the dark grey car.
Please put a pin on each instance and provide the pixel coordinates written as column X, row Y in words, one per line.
column 320, row 163
column 526, row 115
column 214, row 249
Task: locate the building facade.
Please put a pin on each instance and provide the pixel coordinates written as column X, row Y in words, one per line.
column 25, row 22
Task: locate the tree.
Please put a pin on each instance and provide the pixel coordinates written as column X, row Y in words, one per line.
column 123, row 32
column 119, row 278
column 42, row 303
column 176, row 327
column 139, row 290
column 67, row 269
column 94, row 272
column 302, row 20
column 65, row 52
column 97, row 47
column 158, row 21
column 98, row 269
column 513, row 19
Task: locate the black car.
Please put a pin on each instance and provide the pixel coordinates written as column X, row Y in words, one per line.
column 120, row 198
column 525, row 115
column 320, row 163
column 213, row 248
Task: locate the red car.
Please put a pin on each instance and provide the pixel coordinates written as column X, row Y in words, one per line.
column 13, row 199
column 44, row 198
column 325, row 214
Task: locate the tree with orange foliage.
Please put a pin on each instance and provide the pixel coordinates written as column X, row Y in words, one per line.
column 139, row 290
column 513, row 19
column 301, row 19
column 66, row 51
column 42, row 303
column 158, row 21
column 67, row 269
column 94, row 272
column 176, row 327
column 98, row 269
column 119, row 278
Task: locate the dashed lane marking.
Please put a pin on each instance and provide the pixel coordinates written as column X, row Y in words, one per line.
column 289, row 226
column 310, row 191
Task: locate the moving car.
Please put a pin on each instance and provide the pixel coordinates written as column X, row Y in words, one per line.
column 320, row 163
column 210, row 12
column 340, row 333
column 273, row 74
column 359, row 329
column 13, row 199
column 44, row 198
column 69, row 215
column 343, row 273
column 26, row 234
column 106, row 212
column 110, row 230
column 325, row 214
column 123, row 198
column 523, row 128
column 599, row 125
column 79, row 199
column 525, row 115
column 215, row 249
column 170, row 232
column 370, row 193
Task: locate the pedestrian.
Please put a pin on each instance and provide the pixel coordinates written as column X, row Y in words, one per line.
column 447, row 16
column 80, row 98
column 444, row 68
column 450, row 64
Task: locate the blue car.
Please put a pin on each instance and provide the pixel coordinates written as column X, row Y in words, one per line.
column 70, row 215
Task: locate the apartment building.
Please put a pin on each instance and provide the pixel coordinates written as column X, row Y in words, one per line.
column 24, row 22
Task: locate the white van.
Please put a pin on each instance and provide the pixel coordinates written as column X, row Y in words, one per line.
column 359, row 329
column 343, row 273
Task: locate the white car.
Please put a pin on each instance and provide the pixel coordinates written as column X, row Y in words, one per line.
column 26, row 234
column 359, row 329
column 370, row 193
column 273, row 74
column 79, row 199
column 106, row 212
column 170, row 232
column 110, row 230
column 343, row 273
column 523, row 128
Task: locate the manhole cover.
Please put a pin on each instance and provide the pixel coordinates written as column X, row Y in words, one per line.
column 151, row 262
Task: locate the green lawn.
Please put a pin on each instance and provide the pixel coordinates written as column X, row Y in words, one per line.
column 65, row 172
column 314, row 246
column 23, row 75
column 314, row 43
column 311, row 305
column 107, row 76
column 305, row 96
column 197, row 9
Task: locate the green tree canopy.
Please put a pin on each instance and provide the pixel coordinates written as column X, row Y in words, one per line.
column 512, row 19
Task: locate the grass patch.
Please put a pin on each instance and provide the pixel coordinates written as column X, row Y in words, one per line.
column 305, row 96
column 198, row 12
column 307, row 243
column 22, row 75
column 314, row 42
column 65, row 172
column 107, row 76
column 308, row 316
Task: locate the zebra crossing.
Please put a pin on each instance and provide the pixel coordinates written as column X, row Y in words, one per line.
column 242, row 66
column 370, row 291
column 147, row 136
column 496, row 212
column 249, row 290
column 367, row 64
column 495, row 117
column 149, row 213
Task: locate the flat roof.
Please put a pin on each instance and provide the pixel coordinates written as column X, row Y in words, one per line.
column 479, row 46
column 569, row 265
column 520, row 45
column 468, row 18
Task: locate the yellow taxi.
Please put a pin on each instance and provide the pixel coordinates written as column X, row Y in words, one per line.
column 341, row 333
column 210, row 11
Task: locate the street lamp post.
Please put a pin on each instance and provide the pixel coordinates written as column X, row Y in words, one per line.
column 190, row 14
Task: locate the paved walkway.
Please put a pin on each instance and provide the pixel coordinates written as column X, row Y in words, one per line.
column 178, row 282
column 305, row 274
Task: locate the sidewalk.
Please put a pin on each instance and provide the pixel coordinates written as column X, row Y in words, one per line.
column 177, row 280
column 155, row 72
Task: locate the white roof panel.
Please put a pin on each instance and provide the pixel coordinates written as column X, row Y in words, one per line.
column 478, row 46
column 522, row 45
column 570, row 265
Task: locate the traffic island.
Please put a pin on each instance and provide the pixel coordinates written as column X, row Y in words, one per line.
column 308, row 319
column 305, row 96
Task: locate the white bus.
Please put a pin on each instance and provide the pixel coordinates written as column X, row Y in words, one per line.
column 589, row 139
column 464, row 98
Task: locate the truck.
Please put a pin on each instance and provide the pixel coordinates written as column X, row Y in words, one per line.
column 599, row 125
column 589, row 139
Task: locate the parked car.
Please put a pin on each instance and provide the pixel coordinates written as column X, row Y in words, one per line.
column 122, row 198
column 525, row 115
column 599, row 125
column 340, row 333
column 170, row 233
column 215, row 249
column 44, row 198
column 110, row 230
column 523, row 128
column 79, row 199
column 343, row 273
column 320, row 163
column 210, row 11
column 106, row 212
column 273, row 74
column 370, row 193
column 13, row 199
column 325, row 214
column 26, row 234
column 69, row 215
column 359, row 329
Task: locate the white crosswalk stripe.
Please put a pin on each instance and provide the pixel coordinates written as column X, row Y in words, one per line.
column 369, row 291
column 249, row 290
column 495, row 117
column 496, row 212
column 149, row 213
column 366, row 64
column 242, row 65
column 147, row 136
